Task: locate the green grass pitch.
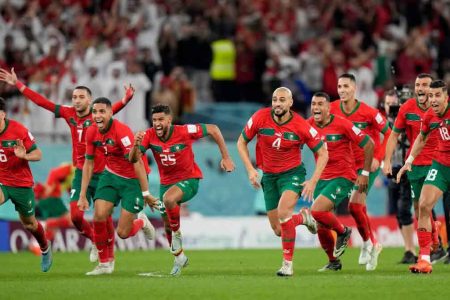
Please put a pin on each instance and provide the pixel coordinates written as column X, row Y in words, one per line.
column 224, row 274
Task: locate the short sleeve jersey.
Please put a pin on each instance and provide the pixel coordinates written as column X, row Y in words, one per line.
column 441, row 124
column 60, row 177
column 338, row 135
column 409, row 119
column 278, row 146
column 116, row 144
column 14, row 171
column 174, row 156
column 367, row 119
column 78, row 127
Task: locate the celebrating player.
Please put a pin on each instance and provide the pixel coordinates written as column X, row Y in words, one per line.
column 180, row 176
column 370, row 121
column 280, row 134
column 17, row 147
column 121, row 182
column 438, row 178
column 337, row 180
column 79, row 119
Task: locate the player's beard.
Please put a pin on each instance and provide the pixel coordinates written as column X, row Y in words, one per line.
column 280, row 115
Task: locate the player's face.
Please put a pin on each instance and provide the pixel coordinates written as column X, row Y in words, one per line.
column 161, row 123
column 2, row 118
column 438, row 99
column 80, row 100
column 320, row 109
column 281, row 103
column 102, row 114
column 346, row 89
column 421, row 87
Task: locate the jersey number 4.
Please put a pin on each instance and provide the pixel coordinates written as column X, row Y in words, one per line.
column 168, row 159
column 277, row 143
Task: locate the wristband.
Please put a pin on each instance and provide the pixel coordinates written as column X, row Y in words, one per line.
column 365, row 173
column 145, row 193
column 410, row 159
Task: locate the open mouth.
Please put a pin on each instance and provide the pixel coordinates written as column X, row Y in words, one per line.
column 99, row 123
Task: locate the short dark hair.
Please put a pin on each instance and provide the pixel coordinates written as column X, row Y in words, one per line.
column 82, row 87
column 348, row 76
column 438, row 84
column 161, row 108
column 390, row 92
column 2, row 104
column 322, row 95
column 425, row 75
column 102, row 100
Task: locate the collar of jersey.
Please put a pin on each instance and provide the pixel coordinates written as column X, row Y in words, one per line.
column 329, row 122
column 440, row 115
column 418, row 105
column 6, row 126
column 280, row 124
column 109, row 125
column 168, row 137
column 354, row 109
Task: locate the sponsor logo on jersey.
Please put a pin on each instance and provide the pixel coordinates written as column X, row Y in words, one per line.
column 31, row 136
column 379, row 118
column 313, row 132
column 356, row 130
column 249, row 123
column 192, row 128
column 125, row 141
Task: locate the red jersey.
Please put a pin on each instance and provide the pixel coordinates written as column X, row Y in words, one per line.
column 370, row 121
column 174, row 156
column 61, row 177
column 116, row 144
column 432, row 121
column 14, row 171
column 278, row 147
column 338, row 135
column 409, row 119
column 78, row 127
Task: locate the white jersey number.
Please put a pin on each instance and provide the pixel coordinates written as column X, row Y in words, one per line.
column 168, row 159
column 3, row 157
column 277, row 143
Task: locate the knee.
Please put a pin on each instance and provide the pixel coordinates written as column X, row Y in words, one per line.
column 30, row 226
column 424, row 207
column 169, row 202
column 122, row 233
column 276, row 230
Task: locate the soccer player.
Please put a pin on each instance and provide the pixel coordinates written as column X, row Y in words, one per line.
column 338, row 177
column 79, row 118
column 50, row 207
column 438, row 178
column 121, row 182
column 280, row 134
column 409, row 120
column 17, row 148
column 370, row 121
column 171, row 146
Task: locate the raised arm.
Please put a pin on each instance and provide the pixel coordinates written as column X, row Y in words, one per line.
column 135, row 152
column 226, row 163
column 11, row 79
column 119, row 105
column 34, row 154
column 242, row 146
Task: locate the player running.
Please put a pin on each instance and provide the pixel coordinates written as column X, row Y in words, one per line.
column 438, row 178
column 17, row 148
column 171, row 146
column 338, row 177
column 280, row 134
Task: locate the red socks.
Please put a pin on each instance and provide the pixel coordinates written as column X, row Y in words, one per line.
column 174, row 217
column 329, row 220
column 137, row 225
column 111, row 238
column 62, row 222
column 39, row 235
column 327, row 242
column 362, row 222
column 297, row 219
column 79, row 222
column 371, row 235
column 288, row 239
column 101, row 240
column 424, row 238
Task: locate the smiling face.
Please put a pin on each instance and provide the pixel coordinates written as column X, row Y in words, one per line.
column 161, row 123
column 102, row 114
column 438, row 98
column 81, row 100
column 320, row 109
column 346, row 89
column 421, row 87
column 281, row 102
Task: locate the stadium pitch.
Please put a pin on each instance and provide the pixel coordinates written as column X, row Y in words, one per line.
column 224, row 274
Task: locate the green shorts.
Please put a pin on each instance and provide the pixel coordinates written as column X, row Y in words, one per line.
column 188, row 186
column 76, row 186
column 372, row 177
column 416, row 178
column 275, row 184
column 22, row 197
column 336, row 190
column 51, row 208
column 115, row 189
column 439, row 176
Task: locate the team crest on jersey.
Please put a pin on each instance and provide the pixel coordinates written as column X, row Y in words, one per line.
column 313, row 132
column 192, row 128
column 87, row 123
column 109, row 142
column 125, row 141
column 356, row 130
column 379, row 118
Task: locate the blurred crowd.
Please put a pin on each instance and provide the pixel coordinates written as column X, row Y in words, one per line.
column 184, row 52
